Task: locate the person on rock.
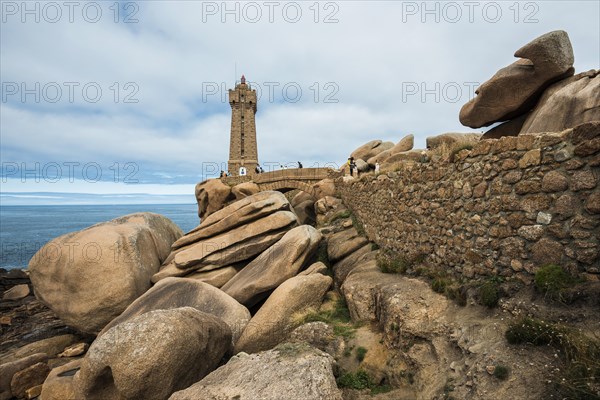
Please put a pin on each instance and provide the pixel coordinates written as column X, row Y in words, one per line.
column 299, row 164
column 352, row 165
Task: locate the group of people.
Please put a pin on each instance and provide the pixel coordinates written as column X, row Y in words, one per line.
column 352, row 166
column 258, row 169
column 282, row 166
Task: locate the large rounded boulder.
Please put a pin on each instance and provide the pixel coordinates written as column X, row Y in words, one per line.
column 172, row 293
column 515, row 89
column 90, row 276
column 152, row 355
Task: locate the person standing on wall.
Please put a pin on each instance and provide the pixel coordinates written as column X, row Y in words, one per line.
column 299, row 164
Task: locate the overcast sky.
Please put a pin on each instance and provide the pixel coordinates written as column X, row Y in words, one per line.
column 130, row 97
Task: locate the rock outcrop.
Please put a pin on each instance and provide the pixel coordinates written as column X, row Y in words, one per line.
column 515, row 89
column 274, row 266
column 344, row 243
column 566, row 104
column 90, row 276
column 152, row 355
column 371, row 149
column 244, row 189
column 216, row 277
column 59, row 383
column 451, row 138
column 290, row 371
column 232, row 235
column 276, row 317
column 211, row 196
column 405, row 144
column 324, row 188
column 173, row 293
column 9, row 369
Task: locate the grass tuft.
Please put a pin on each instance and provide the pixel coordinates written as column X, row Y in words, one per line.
column 489, row 294
column 501, row 372
column 579, row 378
column 552, row 280
column 361, row 352
column 358, row 380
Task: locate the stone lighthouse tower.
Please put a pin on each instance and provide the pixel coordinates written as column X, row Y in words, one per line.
column 243, row 153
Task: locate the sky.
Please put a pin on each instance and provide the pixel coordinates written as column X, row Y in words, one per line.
column 128, row 97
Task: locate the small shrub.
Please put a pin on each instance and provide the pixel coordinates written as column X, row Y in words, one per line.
column 532, row 331
column 374, row 246
column 439, row 285
column 489, row 295
column 345, row 331
column 385, row 388
column 342, row 215
column 358, row 380
column 391, row 264
column 501, row 372
column 552, row 280
column 579, row 376
column 361, row 352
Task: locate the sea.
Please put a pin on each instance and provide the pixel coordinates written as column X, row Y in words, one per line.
column 25, row 229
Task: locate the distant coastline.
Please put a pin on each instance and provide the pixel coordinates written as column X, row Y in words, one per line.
column 67, row 198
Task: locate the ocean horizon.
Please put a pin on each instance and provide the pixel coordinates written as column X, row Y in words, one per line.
column 24, row 229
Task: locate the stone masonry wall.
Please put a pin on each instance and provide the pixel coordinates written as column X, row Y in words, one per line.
column 506, row 207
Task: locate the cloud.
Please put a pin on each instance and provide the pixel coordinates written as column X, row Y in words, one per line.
column 178, row 52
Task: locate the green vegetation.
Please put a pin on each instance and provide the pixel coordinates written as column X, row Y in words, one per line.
column 439, row 284
column 358, row 380
column 374, row 246
column 580, row 354
column 338, row 317
column 385, row 388
column 361, row 352
column 361, row 380
column 552, row 281
column 346, row 331
column 341, row 215
column 339, row 313
column 392, row 264
column 533, row 331
column 489, row 293
column 501, row 372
